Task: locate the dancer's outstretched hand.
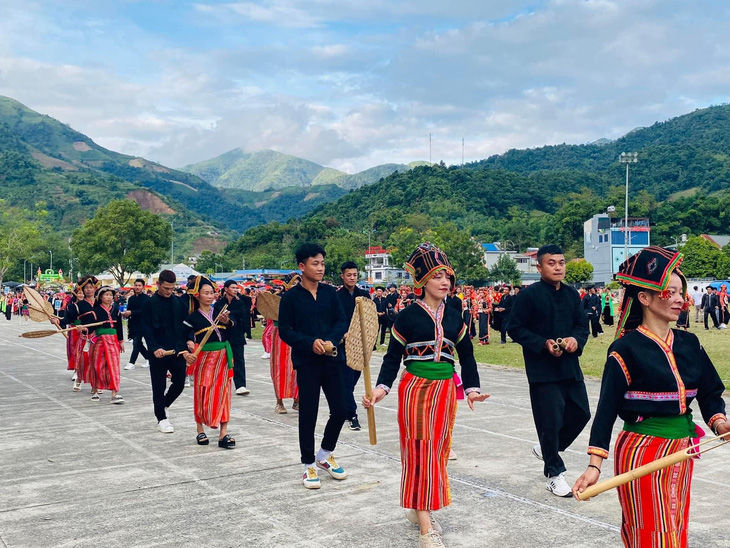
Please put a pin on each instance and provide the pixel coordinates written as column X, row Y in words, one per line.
column 475, row 396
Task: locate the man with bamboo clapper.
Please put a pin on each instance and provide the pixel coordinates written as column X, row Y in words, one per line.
column 163, row 330
column 312, row 322
column 347, row 295
column 239, row 311
column 541, row 314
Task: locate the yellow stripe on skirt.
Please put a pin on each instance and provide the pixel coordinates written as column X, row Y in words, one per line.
column 426, row 414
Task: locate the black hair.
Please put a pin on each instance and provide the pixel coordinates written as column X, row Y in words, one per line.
column 140, row 280
column 347, row 265
column 548, row 249
column 167, row 276
column 695, row 288
column 307, row 250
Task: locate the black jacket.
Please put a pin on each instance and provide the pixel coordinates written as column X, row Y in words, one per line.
column 162, row 323
column 540, row 312
column 304, row 319
column 348, row 301
column 239, row 313
column 135, row 304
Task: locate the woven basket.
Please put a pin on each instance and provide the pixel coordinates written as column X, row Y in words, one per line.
column 39, row 309
column 268, row 305
column 357, row 355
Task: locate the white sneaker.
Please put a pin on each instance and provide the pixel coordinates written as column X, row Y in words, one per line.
column 430, row 540
column 187, row 381
column 412, row 516
column 310, row 479
column 265, row 356
column 144, row 364
column 537, row 451
column 558, row 486
column 129, row 367
column 75, row 376
column 165, row 426
column 243, row 391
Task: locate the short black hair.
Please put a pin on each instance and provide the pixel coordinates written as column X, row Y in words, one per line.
column 548, row 249
column 307, row 250
column 347, row 265
column 167, row 276
column 140, row 280
column 695, row 288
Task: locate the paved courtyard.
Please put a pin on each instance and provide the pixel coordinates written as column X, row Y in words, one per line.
column 78, row 473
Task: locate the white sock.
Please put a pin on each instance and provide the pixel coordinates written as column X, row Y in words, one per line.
column 308, row 466
column 323, row 454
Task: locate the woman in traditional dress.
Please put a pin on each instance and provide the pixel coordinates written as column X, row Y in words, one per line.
column 650, row 379
column 71, row 317
column 607, row 307
column 683, row 319
column 283, row 375
column 484, row 314
column 425, row 336
column 107, row 343
column 213, row 370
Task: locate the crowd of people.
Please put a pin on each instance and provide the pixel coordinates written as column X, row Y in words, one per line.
column 651, row 377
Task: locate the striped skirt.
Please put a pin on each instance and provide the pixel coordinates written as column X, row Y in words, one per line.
column 283, row 375
column 267, row 335
column 426, row 414
column 212, row 392
column 655, row 508
column 71, row 343
column 81, row 359
column 104, row 371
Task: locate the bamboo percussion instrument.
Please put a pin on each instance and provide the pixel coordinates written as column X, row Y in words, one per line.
column 330, row 349
column 649, row 468
column 36, row 301
column 560, row 344
column 361, row 337
column 168, row 353
column 210, row 329
column 49, row 332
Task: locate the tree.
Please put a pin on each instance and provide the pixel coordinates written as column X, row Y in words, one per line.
column 464, row 253
column 505, row 270
column 723, row 263
column 348, row 246
column 20, row 236
column 700, row 258
column 122, row 238
column 578, row 270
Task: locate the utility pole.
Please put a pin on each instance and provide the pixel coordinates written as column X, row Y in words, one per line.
column 429, row 148
column 462, row 152
column 627, row 158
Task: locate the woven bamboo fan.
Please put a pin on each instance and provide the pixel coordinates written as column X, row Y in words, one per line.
column 38, row 315
column 357, row 356
column 268, row 305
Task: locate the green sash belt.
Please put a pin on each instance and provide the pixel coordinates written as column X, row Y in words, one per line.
column 434, row 371
column 76, row 322
column 672, row 428
column 106, row 331
column 225, row 345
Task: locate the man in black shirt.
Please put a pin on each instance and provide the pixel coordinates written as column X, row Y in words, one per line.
column 381, row 305
column 347, row 295
column 310, row 320
column 239, row 312
column 542, row 313
column 501, row 313
column 135, row 304
column 162, row 327
column 592, row 307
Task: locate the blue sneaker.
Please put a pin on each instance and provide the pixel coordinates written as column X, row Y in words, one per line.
column 333, row 469
column 311, row 479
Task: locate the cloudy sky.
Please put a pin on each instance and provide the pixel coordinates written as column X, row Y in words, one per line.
column 352, row 83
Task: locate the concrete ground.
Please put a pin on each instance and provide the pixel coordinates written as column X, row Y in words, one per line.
column 78, row 473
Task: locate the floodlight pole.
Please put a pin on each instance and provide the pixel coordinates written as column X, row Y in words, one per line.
column 627, row 158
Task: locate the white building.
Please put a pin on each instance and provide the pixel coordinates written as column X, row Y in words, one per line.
column 526, row 262
column 379, row 269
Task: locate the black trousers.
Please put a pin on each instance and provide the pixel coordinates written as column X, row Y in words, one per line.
column 383, row 323
column 595, row 324
column 561, row 411
column 239, row 365
column 713, row 315
column 158, row 375
column 138, row 348
column 350, row 378
column 311, row 378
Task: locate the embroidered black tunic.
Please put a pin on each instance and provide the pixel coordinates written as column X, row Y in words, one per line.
column 420, row 334
column 198, row 324
column 645, row 376
column 111, row 318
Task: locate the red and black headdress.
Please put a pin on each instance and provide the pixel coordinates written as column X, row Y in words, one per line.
column 651, row 268
column 426, row 261
column 86, row 280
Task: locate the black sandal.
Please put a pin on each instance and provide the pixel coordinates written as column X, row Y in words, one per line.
column 202, row 439
column 227, row 442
